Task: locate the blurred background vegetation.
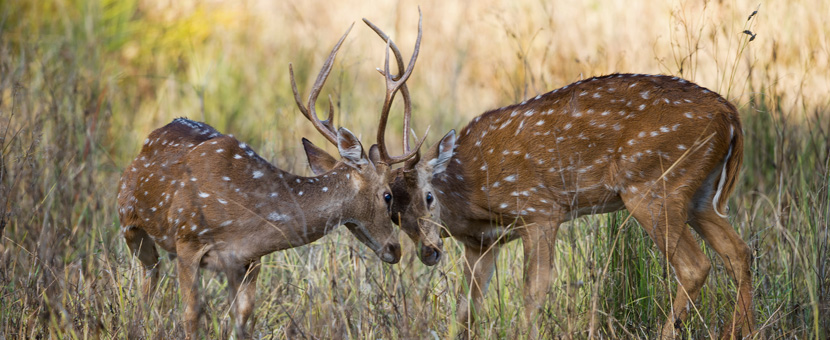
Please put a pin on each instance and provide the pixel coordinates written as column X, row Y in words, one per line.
column 83, row 82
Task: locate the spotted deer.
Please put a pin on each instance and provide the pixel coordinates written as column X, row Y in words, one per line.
column 212, row 201
column 665, row 149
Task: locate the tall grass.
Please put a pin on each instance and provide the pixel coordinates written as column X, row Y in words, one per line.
column 83, row 82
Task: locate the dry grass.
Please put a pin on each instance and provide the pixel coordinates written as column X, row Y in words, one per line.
column 82, row 84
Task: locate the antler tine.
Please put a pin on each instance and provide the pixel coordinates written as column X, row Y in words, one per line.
column 395, row 50
column 329, row 122
column 393, row 84
column 325, row 127
column 407, row 116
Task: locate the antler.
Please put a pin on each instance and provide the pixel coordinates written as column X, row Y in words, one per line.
column 325, row 127
column 393, row 84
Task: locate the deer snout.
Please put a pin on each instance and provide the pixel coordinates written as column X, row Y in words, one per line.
column 391, row 253
column 429, row 254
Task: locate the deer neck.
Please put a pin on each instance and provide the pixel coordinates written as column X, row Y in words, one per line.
column 317, row 205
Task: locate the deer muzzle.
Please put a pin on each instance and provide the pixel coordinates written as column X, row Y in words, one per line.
column 430, row 254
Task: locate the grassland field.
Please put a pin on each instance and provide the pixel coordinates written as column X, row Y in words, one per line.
column 82, row 83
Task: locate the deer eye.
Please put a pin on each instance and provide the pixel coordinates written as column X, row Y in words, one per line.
column 429, row 199
column 388, row 198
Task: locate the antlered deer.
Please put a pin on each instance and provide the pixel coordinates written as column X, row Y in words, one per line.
column 665, row 149
column 212, row 201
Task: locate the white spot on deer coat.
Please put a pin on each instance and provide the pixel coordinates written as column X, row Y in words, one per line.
column 276, row 217
column 204, row 195
column 257, row 174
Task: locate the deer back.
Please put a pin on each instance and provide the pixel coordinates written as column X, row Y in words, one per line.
column 151, row 180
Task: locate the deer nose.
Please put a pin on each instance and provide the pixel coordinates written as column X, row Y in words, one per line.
column 430, row 255
column 394, row 250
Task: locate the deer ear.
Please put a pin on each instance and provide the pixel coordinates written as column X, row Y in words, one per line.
column 443, row 153
column 349, row 146
column 318, row 159
column 374, row 154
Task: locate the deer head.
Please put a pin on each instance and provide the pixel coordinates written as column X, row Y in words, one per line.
column 413, row 200
column 413, row 207
column 369, row 176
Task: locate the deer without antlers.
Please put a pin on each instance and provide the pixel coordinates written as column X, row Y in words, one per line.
column 666, row 149
column 212, row 201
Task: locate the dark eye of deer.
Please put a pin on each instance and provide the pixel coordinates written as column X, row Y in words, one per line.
column 388, row 198
column 429, row 199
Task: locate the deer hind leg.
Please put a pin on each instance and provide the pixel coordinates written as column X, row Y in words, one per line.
column 664, row 221
column 479, row 264
column 144, row 248
column 537, row 242
column 737, row 258
column 242, row 295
